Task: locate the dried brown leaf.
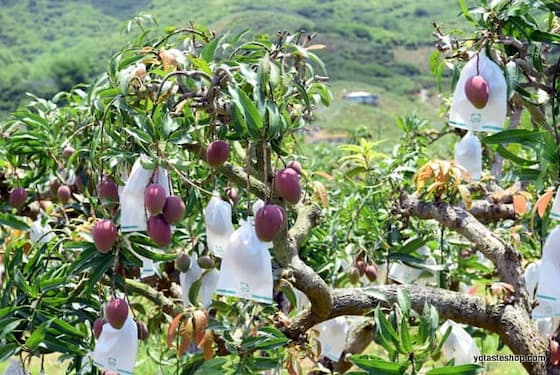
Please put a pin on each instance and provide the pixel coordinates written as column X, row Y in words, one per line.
column 172, row 330
column 321, row 193
column 465, row 196
column 519, row 204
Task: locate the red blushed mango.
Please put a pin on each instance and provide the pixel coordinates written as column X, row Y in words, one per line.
column 217, row 153
column 159, row 230
column 269, row 219
column 98, row 327
column 174, row 209
column 108, row 191
column 154, row 198
column 17, row 198
column 287, row 185
column 104, row 235
column 116, row 312
column 64, row 193
column 477, row 91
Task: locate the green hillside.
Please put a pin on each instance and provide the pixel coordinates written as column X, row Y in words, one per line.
column 49, row 45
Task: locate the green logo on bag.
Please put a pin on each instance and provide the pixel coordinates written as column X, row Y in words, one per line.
column 112, row 362
column 476, row 117
column 245, row 287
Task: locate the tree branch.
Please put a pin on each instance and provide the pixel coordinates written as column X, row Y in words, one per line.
column 504, row 256
column 487, row 212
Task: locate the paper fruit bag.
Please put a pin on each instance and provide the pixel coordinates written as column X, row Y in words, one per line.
column 133, row 215
column 246, row 270
column 491, row 117
column 459, row 344
column 116, row 349
column 217, row 217
column 548, row 293
column 468, row 153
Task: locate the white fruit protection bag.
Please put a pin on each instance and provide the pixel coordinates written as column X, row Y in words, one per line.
column 116, row 349
column 131, row 196
column 541, row 313
column 208, row 283
column 187, row 279
column 133, row 215
column 459, row 344
column 40, row 233
column 217, row 217
column 15, row 368
column 491, row 118
column 409, row 275
column 334, row 333
column 547, row 291
column 468, row 153
column 332, row 337
column 246, row 270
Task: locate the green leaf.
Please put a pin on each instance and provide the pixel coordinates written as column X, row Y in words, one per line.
column 468, row 369
column 405, row 335
column 466, row 12
column 13, row 221
column 545, row 37
column 8, row 350
column 504, row 152
column 377, row 366
column 37, row 336
column 208, row 51
column 412, row 244
column 8, row 328
column 404, row 301
column 194, row 291
column 523, row 136
column 384, row 328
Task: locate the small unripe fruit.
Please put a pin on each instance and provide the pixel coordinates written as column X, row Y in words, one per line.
column 154, row 198
column 104, row 235
column 371, row 272
column 269, row 219
column 217, row 153
column 287, row 185
column 116, row 312
column 206, row 262
column 353, row 275
column 159, row 230
column 17, row 198
column 477, row 91
column 182, row 263
column 98, row 327
column 64, row 193
column 174, row 209
column 142, row 330
column 68, row 151
column 108, row 191
column 296, row 166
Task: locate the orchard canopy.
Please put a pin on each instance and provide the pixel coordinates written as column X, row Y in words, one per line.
column 170, row 217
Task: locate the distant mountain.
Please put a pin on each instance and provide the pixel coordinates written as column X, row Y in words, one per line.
column 48, row 45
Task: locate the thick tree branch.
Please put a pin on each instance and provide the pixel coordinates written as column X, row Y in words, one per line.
column 512, row 323
column 158, row 298
column 504, row 256
column 300, row 274
column 487, row 212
